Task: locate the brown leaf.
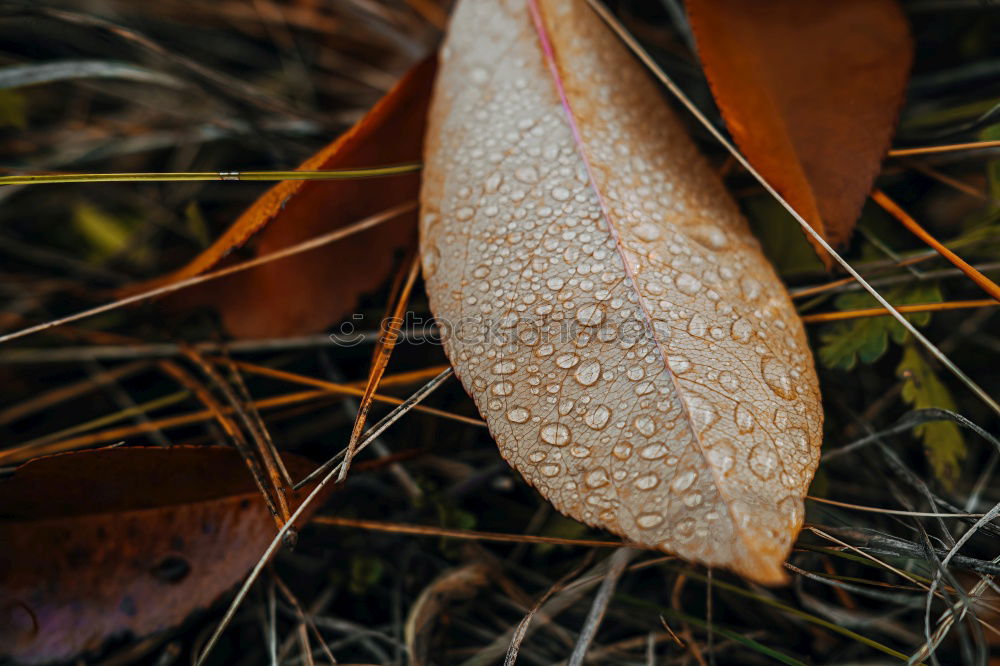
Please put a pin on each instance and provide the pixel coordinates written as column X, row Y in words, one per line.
column 810, row 91
column 307, row 292
column 634, row 355
column 104, row 542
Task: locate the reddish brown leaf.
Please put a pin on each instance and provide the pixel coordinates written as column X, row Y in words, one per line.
column 308, row 291
column 104, row 542
column 810, row 90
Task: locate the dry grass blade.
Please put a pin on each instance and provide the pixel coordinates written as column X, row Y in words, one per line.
column 690, row 644
column 955, row 183
column 380, row 427
column 899, row 572
column 19, row 76
column 894, row 209
column 566, row 594
column 306, row 623
column 616, row 567
column 327, row 477
column 313, row 243
column 268, row 450
column 276, row 473
column 928, row 649
column 468, row 535
column 522, row 627
column 959, row 611
column 57, row 442
column 312, row 613
column 45, row 446
column 909, row 420
column 235, row 86
column 823, row 317
column 893, row 512
column 733, row 636
column 63, row 393
column 121, row 352
column 458, row 583
column 347, row 389
column 272, row 498
column 927, row 150
column 796, row 612
column 804, row 292
column 380, row 358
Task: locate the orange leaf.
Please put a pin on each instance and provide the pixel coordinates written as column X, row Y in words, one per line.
column 308, row 291
column 104, row 542
column 810, row 91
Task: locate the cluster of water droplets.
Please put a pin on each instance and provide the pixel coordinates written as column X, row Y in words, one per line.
column 629, row 347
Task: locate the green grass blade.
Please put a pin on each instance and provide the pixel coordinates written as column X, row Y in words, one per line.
column 734, row 636
column 184, row 176
column 808, row 617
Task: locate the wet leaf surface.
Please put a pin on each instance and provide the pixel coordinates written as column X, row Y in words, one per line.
column 635, row 356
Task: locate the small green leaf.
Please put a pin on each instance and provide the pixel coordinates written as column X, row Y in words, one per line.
column 866, row 339
column 943, row 442
column 992, row 133
column 196, row 224
column 560, row 527
column 820, row 486
column 106, row 234
column 13, row 109
column 365, row 573
column 779, row 235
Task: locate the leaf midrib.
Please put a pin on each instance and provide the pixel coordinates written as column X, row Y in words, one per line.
column 549, row 55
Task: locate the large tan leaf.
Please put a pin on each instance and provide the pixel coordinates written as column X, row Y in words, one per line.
column 810, row 90
column 635, row 356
